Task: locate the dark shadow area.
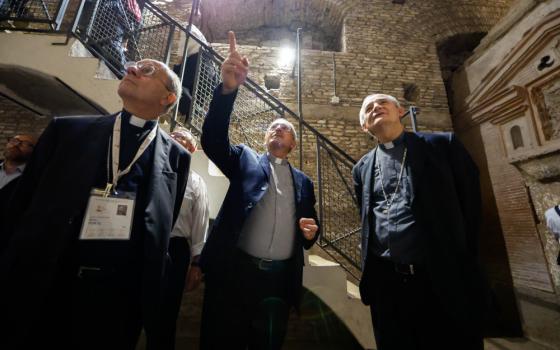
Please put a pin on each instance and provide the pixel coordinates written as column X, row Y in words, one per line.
column 318, row 328
column 452, row 53
column 504, row 319
column 43, row 94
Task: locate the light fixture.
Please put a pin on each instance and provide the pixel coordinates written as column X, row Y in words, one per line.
column 286, row 57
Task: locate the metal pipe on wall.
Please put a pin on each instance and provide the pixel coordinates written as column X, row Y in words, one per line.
column 300, row 108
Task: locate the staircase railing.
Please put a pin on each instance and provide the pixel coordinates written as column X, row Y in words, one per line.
column 113, row 34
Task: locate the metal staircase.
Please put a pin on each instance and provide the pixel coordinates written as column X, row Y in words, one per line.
column 157, row 36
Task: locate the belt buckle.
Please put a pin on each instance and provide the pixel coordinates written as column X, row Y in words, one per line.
column 265, row 261
column 81, row 270
column 409, row 269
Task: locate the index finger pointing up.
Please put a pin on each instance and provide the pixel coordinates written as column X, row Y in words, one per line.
column 232, row 42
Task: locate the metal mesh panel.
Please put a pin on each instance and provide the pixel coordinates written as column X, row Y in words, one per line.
column 340, row 219
column 251, row 113
column 152, row 38
column 109, row 28
column 206, row 81
column 41, row 12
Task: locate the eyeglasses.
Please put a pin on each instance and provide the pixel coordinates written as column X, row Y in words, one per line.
column 16, row 142
column 281, row 126
column 146, row 69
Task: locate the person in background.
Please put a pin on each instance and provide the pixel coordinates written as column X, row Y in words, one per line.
column 16, row 155
column 552, row 216
column 187, row 240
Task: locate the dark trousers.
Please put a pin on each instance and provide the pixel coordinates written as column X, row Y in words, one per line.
column 407, row 313
column 100, row 309
column 106, row 312
column 248, row 308
column 176, row 273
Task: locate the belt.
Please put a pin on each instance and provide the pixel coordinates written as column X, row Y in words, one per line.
column 94, row 271
column 263, row 264
column 403, row 269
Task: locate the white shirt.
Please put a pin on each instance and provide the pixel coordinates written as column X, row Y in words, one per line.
column 6, row 178
column 192, row 222
column 553, row 222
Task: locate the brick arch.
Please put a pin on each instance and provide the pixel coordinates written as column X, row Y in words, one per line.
column 444, row 19
column 266, row 22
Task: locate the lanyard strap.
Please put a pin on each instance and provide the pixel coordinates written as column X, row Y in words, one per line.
column 116, row 140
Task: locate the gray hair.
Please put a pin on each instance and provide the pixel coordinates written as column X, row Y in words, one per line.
column 173, row 85
column 371, row 98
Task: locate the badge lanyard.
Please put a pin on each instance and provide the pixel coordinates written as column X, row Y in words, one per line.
column 117, row 174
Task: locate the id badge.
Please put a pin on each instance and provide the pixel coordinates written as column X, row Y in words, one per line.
column 108, row 217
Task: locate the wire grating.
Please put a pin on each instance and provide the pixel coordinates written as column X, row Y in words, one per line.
column 41, row 12
column 340, row 218
column 110, row 28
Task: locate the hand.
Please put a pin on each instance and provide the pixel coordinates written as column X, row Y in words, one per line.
column 194, row 277
column 234, row 68
column 308, row 227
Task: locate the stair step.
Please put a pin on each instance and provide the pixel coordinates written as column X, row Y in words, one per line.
column 103, row 72
column 353, row 290
column 316, row 260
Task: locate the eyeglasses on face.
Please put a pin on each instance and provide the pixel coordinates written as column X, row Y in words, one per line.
column 146, row 69
column 16, row 142
column 281, row 126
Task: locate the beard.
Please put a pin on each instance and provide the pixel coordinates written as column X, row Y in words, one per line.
column 15, row 155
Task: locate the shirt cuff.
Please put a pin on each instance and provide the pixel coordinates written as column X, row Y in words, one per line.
column 197, row 249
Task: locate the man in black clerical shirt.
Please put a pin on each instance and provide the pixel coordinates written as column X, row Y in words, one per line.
column 419, row 199
column 90, row 224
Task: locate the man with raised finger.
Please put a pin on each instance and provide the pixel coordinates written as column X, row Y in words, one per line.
column 253, row 259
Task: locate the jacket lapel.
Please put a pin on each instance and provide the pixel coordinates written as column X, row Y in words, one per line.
column 297, row 180
column 162, row 184
column 367, row 174
column 265, row 165
column 415, row 161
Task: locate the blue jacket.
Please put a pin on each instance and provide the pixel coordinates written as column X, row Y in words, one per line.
column 248, row 173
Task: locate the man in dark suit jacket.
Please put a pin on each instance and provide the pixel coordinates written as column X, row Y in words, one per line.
column 419, row 199
column 253, row 259
column 62, row 290
column 16, row 155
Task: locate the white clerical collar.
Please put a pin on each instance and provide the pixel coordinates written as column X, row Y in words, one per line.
column 392, row 144
column 138, row 122
column 277, row 161
column 388, row 145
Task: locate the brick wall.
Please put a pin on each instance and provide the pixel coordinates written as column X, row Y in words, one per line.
column 516, row 216
column 386, row 46
column 15, row 119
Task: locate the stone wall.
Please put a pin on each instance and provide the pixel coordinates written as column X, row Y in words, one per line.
column 385, row 47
